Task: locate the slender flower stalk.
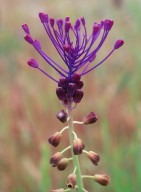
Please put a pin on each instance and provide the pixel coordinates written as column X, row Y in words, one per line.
column 78, row 57
column 74, row 157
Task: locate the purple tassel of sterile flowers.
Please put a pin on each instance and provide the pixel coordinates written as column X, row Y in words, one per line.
column 78, row 55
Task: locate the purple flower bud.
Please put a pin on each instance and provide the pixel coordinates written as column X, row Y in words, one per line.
column 43, row 17
column 67, row 47
column 75, row 77
column 108, row 24
column 78, row 146
column 63, row 82
column 77, row 96
column 118, row 43
column 83, row 21
column 55, row 159
column 94, row 157
column 32, row 63
column 71, row 89
column 67, row 26
column 63, row 163
column 59, row 22
column 62, row 116
column 52, row 21
column 79, row 84
column 55, row 139
column 26, row 28
column 77, row 25
column 61, row 94
column 90, row 118
column 67, row 19
column 71, row 181
column 96, row 28
column 102, row 179
column 29, row 39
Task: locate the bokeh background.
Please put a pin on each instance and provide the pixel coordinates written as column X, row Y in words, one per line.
column 28, row 104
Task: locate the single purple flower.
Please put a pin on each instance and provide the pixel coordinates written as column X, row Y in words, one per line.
column 77, row 55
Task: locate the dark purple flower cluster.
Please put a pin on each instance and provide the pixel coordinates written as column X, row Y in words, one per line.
column 69, row 89
column 75, row 47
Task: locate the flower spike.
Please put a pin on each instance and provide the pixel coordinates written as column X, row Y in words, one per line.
column 78, row 52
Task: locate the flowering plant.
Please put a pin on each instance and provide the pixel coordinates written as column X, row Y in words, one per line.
column 78, row 56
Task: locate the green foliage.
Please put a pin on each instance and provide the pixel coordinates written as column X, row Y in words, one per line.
column 45, row 183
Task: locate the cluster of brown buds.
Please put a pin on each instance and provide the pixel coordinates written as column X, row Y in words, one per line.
column 58, row 160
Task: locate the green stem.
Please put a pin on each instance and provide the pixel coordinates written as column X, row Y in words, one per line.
column 66, row 149
column 74, row 157
column 87, row 176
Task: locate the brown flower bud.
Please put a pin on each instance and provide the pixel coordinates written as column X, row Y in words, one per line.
column 62, row 116
column 90, row 118
column 55, row 159
column 78, row 146
column 71, row 181
column 94, row 157
column 55, row 139
column 61, row 94
column 62, row 164
column 78, row 95
column 58, row 190
column 102, row 179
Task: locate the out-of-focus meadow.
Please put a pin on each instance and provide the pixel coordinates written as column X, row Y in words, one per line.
column 28, row 104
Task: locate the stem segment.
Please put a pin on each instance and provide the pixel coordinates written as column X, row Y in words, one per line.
column 74, row 157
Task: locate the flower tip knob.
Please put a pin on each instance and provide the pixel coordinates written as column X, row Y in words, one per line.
column 67, row 26
column 52, row 22
column 59, row 22
column 77, row 24
column 26, row 28
column 28, row 38
column 43, row 17
column 83, row 21
column 108, row 24
column 67, row 19
column 96, row 28
column 118, row 43
column 32, row 63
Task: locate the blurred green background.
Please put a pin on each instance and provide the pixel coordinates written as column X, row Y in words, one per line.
column 28, row 104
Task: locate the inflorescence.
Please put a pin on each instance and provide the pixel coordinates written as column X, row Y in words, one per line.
column 78, row 55
column 78, row 51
